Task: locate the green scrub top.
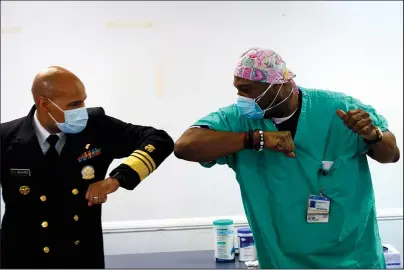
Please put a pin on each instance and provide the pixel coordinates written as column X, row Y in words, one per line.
column 275, row 188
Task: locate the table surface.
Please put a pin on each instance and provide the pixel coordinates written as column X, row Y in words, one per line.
column 189, row 259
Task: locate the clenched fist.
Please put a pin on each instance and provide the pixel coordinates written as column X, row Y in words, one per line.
column 97, row 192
column 280, row 141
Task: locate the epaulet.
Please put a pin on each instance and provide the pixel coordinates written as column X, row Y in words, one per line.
column 96, row 112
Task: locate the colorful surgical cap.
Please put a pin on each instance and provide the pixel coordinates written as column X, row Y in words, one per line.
column 264, row 65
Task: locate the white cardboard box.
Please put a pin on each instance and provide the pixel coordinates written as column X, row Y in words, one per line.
column 392, row 257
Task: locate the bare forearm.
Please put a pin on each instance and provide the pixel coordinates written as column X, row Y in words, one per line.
column 204, row 145
column 386, row 150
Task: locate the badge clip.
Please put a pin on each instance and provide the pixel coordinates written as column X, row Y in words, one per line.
column 323, row 172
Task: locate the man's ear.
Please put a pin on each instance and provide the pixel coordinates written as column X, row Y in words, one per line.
column 43, row 104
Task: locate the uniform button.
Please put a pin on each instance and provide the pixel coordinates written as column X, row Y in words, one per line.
column 77, row 242
column 76, row 217
column 46, row 249
column 75, row 191
column 44, row 224
column 43, row 198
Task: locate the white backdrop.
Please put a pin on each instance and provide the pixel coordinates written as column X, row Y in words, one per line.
column 167, row 64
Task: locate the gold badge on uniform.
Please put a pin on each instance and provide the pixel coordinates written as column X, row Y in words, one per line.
column 88, row 172
column 149, row 148
column 87, row 146
column 24, row 190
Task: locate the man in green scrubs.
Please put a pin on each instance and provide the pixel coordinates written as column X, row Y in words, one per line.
column 300, row 158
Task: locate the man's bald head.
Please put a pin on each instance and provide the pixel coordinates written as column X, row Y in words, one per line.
column 53, row 80
column 56, row 90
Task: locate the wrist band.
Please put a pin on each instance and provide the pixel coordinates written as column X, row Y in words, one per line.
column 250, row 139
column 260, row 146
column 245, row 139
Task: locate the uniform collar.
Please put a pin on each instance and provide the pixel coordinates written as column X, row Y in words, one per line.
column 27, row 131
column 41, row 133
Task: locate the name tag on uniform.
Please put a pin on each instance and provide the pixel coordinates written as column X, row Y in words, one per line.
column 20, row 172
column 318, row 209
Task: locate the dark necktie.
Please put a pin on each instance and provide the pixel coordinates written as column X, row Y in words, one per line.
column 52, row 155
column 53, row 182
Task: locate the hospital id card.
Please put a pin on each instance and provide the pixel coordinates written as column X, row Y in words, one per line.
column 318, row 209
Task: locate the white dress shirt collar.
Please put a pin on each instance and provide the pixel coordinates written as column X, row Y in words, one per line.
column 42, row 134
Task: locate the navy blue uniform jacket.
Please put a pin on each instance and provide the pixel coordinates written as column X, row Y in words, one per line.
column 47, row 221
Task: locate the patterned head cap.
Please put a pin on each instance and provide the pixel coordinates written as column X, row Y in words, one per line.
column 264, row 65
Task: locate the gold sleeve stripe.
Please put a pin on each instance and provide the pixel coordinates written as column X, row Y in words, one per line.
column 145, row 161
column 149, row 158
column 138, row 166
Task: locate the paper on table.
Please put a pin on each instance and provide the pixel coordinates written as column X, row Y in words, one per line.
column 252, row 264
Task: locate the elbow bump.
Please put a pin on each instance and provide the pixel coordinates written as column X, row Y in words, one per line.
column 167, row 140
column 178, row 150
column 181, row 149
column 170, row 143
column 397, row 157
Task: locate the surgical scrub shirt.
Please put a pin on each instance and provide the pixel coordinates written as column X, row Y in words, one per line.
column 275, row 188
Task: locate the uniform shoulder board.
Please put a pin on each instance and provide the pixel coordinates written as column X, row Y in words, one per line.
column 96, row 111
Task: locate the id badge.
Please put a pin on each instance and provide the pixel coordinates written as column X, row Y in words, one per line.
column 318, row 209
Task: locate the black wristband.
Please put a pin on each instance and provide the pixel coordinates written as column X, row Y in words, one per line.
column 246, row 138
column 250, row 139
column 260, row 145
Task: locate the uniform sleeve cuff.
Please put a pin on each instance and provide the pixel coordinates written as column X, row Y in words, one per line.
column 127, row 178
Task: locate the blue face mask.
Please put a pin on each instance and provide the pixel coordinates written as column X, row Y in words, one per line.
column 249, row 106
column 75, row 120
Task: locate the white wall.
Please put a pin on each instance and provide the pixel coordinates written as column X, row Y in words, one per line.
column 180, row 68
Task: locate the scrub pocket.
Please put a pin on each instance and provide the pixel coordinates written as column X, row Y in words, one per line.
column 329, row 179
column 344, row 178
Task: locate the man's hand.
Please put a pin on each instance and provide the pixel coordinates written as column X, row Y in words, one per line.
column 359, row 122
column 280, row 141
column 97, row 192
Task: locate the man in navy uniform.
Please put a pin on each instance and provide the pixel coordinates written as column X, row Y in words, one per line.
column 53, row 167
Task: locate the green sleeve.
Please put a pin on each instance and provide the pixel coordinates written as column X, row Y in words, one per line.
column 219, row 122
column 378, row 121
